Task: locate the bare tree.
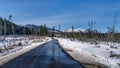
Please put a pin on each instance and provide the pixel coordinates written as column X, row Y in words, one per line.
column 111, row 30
column 91, row 27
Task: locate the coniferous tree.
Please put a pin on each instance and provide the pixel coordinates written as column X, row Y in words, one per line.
column 13, row 31
column 72, row 32
column 41, row 30
column 33, row 30
column 10, row 29
column 45, row 30
column 5, row 29
column 53, row 31
column 0, row 26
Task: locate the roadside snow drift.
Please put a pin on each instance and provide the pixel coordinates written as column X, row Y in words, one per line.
column 17, row 50
column 104, row 54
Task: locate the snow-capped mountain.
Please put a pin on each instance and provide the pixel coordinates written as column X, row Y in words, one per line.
column 76, row 30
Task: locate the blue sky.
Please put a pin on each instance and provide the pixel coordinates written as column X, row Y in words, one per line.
column 68, row 13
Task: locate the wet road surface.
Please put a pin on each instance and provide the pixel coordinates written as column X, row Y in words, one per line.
column 48, row 55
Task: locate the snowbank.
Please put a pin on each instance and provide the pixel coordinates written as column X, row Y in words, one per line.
column 91, row 54
column 16, row 53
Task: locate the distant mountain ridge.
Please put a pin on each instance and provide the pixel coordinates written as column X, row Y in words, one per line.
column 38, row 27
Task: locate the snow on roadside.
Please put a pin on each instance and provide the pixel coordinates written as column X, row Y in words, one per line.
column 101, row 54
column 6, row 56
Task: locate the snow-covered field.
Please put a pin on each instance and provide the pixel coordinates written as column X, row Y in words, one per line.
column 104, row 53
column 13, row 46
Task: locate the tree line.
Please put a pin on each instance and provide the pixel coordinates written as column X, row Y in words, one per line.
column 7, row 27
column 92, row 34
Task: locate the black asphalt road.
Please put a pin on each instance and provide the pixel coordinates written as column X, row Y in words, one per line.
column 48, row 55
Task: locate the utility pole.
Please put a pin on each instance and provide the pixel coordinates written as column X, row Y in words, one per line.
column 72, row 29
column 59, row 27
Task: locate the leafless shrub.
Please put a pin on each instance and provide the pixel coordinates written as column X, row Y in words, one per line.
column 26, row 42
column 33, row 41
column 107, row 49
column 113, row 47
column 47, row 39
column 111, row 51
column 98, row 46
column 5, row 47
column 19, row 44
column 118, row 64
column 112, row 55
column 96, row 43
column 40, row 40
column 118, row 56
column 1, row 50
column 107, row 43
column 9, row 47
column 72, row 39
